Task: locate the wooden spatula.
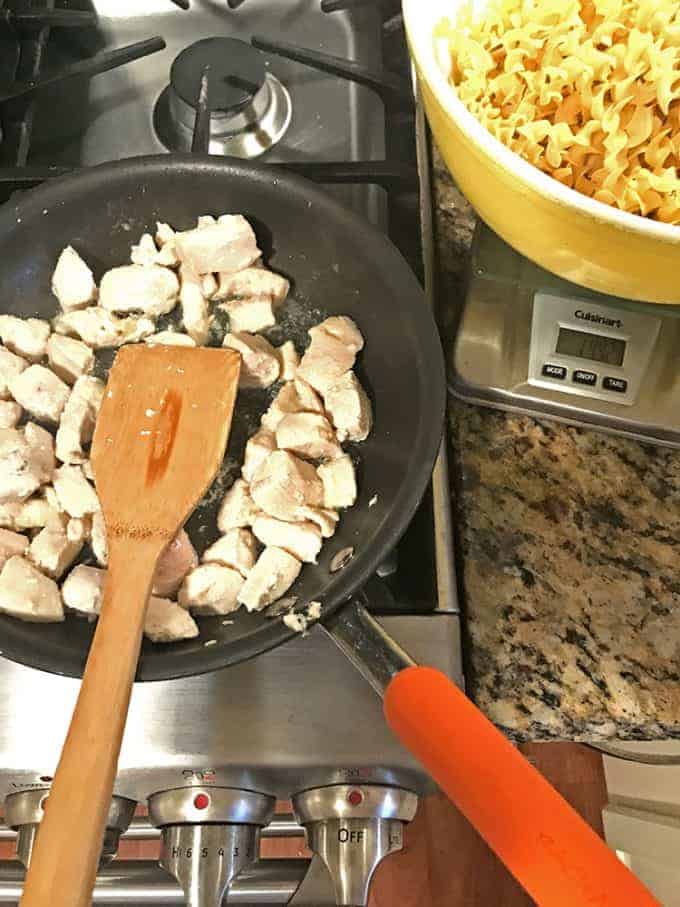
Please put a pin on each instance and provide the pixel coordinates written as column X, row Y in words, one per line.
column 160, row 439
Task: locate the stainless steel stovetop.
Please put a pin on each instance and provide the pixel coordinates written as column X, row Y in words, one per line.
column 299, row 717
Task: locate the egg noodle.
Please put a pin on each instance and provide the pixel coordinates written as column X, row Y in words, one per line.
column 588, row 91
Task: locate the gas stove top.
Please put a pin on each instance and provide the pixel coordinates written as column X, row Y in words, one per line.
column 298, row 84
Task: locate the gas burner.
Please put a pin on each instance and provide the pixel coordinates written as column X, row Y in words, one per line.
column 250, row 109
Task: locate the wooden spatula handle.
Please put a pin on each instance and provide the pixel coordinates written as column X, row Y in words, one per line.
column 547, row 846
column 66, row 853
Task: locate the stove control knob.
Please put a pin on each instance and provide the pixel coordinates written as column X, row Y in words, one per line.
column 352, row 828
column 24, row 812
column 208, row 836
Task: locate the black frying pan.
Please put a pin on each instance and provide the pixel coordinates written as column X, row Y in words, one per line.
column 337, row 264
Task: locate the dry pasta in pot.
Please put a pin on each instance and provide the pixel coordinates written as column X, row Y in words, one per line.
column 588, row 91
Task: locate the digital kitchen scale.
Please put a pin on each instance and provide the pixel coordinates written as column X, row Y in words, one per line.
column 532, row 343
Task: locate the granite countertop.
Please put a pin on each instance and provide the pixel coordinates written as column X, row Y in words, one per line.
column 569, row 560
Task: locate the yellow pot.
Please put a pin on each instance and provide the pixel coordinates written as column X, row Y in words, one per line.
column 576, row 237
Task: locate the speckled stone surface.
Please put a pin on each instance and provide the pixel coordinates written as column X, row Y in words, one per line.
column 569, row 555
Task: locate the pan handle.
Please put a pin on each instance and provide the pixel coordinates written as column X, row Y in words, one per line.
column 552, row 852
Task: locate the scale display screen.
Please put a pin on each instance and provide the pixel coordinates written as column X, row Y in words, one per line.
column 584, row 345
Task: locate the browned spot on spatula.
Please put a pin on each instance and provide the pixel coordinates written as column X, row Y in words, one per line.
column 163, row 435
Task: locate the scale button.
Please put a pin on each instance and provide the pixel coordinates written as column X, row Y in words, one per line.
column 620, row 385
column 554, row 371
column 581, row 377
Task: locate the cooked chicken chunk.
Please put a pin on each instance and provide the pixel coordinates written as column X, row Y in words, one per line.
column 283, row 484
column 170, row 338
column 52, row 551
column 102, row 330
column 343, row 329
column 308, row 435
column 259, row 362
column 272, row 576
column 195, row 308
column 289, row 359
column 251, row 283
column 237, row 508
column 10, row 414
column 164, row 234
column 36, row 513
column 229, row 245
column 332, row 351
column 324, row 518
column 40, row 392
column 294, row 397
column 145, row 252
column 211, row 589
column 349, row 408
column 79, row 419
column 237, row 549
column 256, row 313
column 11, row 544
column 205, row 220
column 72, row 282
column 28, row 594
column 167, row 250
column 339, row 482
column 151, row 290
column 41, row 445
column 11, row 365
column 23, row 465
column 302, row 540
column 9, row 510
column 98, row 539
column 69, row 358
column 76, row 496
column 166, row 621
column 258, row 449
column 176, row 561
column 26, row 337
column 83, row 590
column 209, row 285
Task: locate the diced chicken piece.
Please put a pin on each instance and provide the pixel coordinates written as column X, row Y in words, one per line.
column 170, row 338
column 308, row 435
column 325, row 518
column 69, row 358
column 173, row 565
column 78, row 529
column 295, row 622
column 166, row 621
column 83, row 590
column 257, row 450
column 36, row 513
column 10, row 414
column 79, row 419
column 294, row 397
column 211, row 589
column 133, row 288
column 339, row 482
column 11, row 365
column 236, row 549
column 205, row 220
column 28, row 594
column 272, row 576
column 102, row 330
column 145, row 252
column 50, row 496
column 349, row 408
column 289, row 360
column 11, row 544
column 26, row 337
column 76, row 496
column 53, row 551
column 9, row 510
column 253, row 314
column 283, row 484
column 164, row 234
column 195, row 308
column 98, row 540
column 73, row 282
column 252, row 283
column 209, row 286
column 40, row 392
column 325, row 360
column 237, row 509
column 167, row 250
column 22, row 467
column 302, row 540
column 259, row 362
column 343, row 329
column 229, row 245
column 41, row 446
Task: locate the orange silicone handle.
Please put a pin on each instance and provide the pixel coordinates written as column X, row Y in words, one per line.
column 546, row 845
